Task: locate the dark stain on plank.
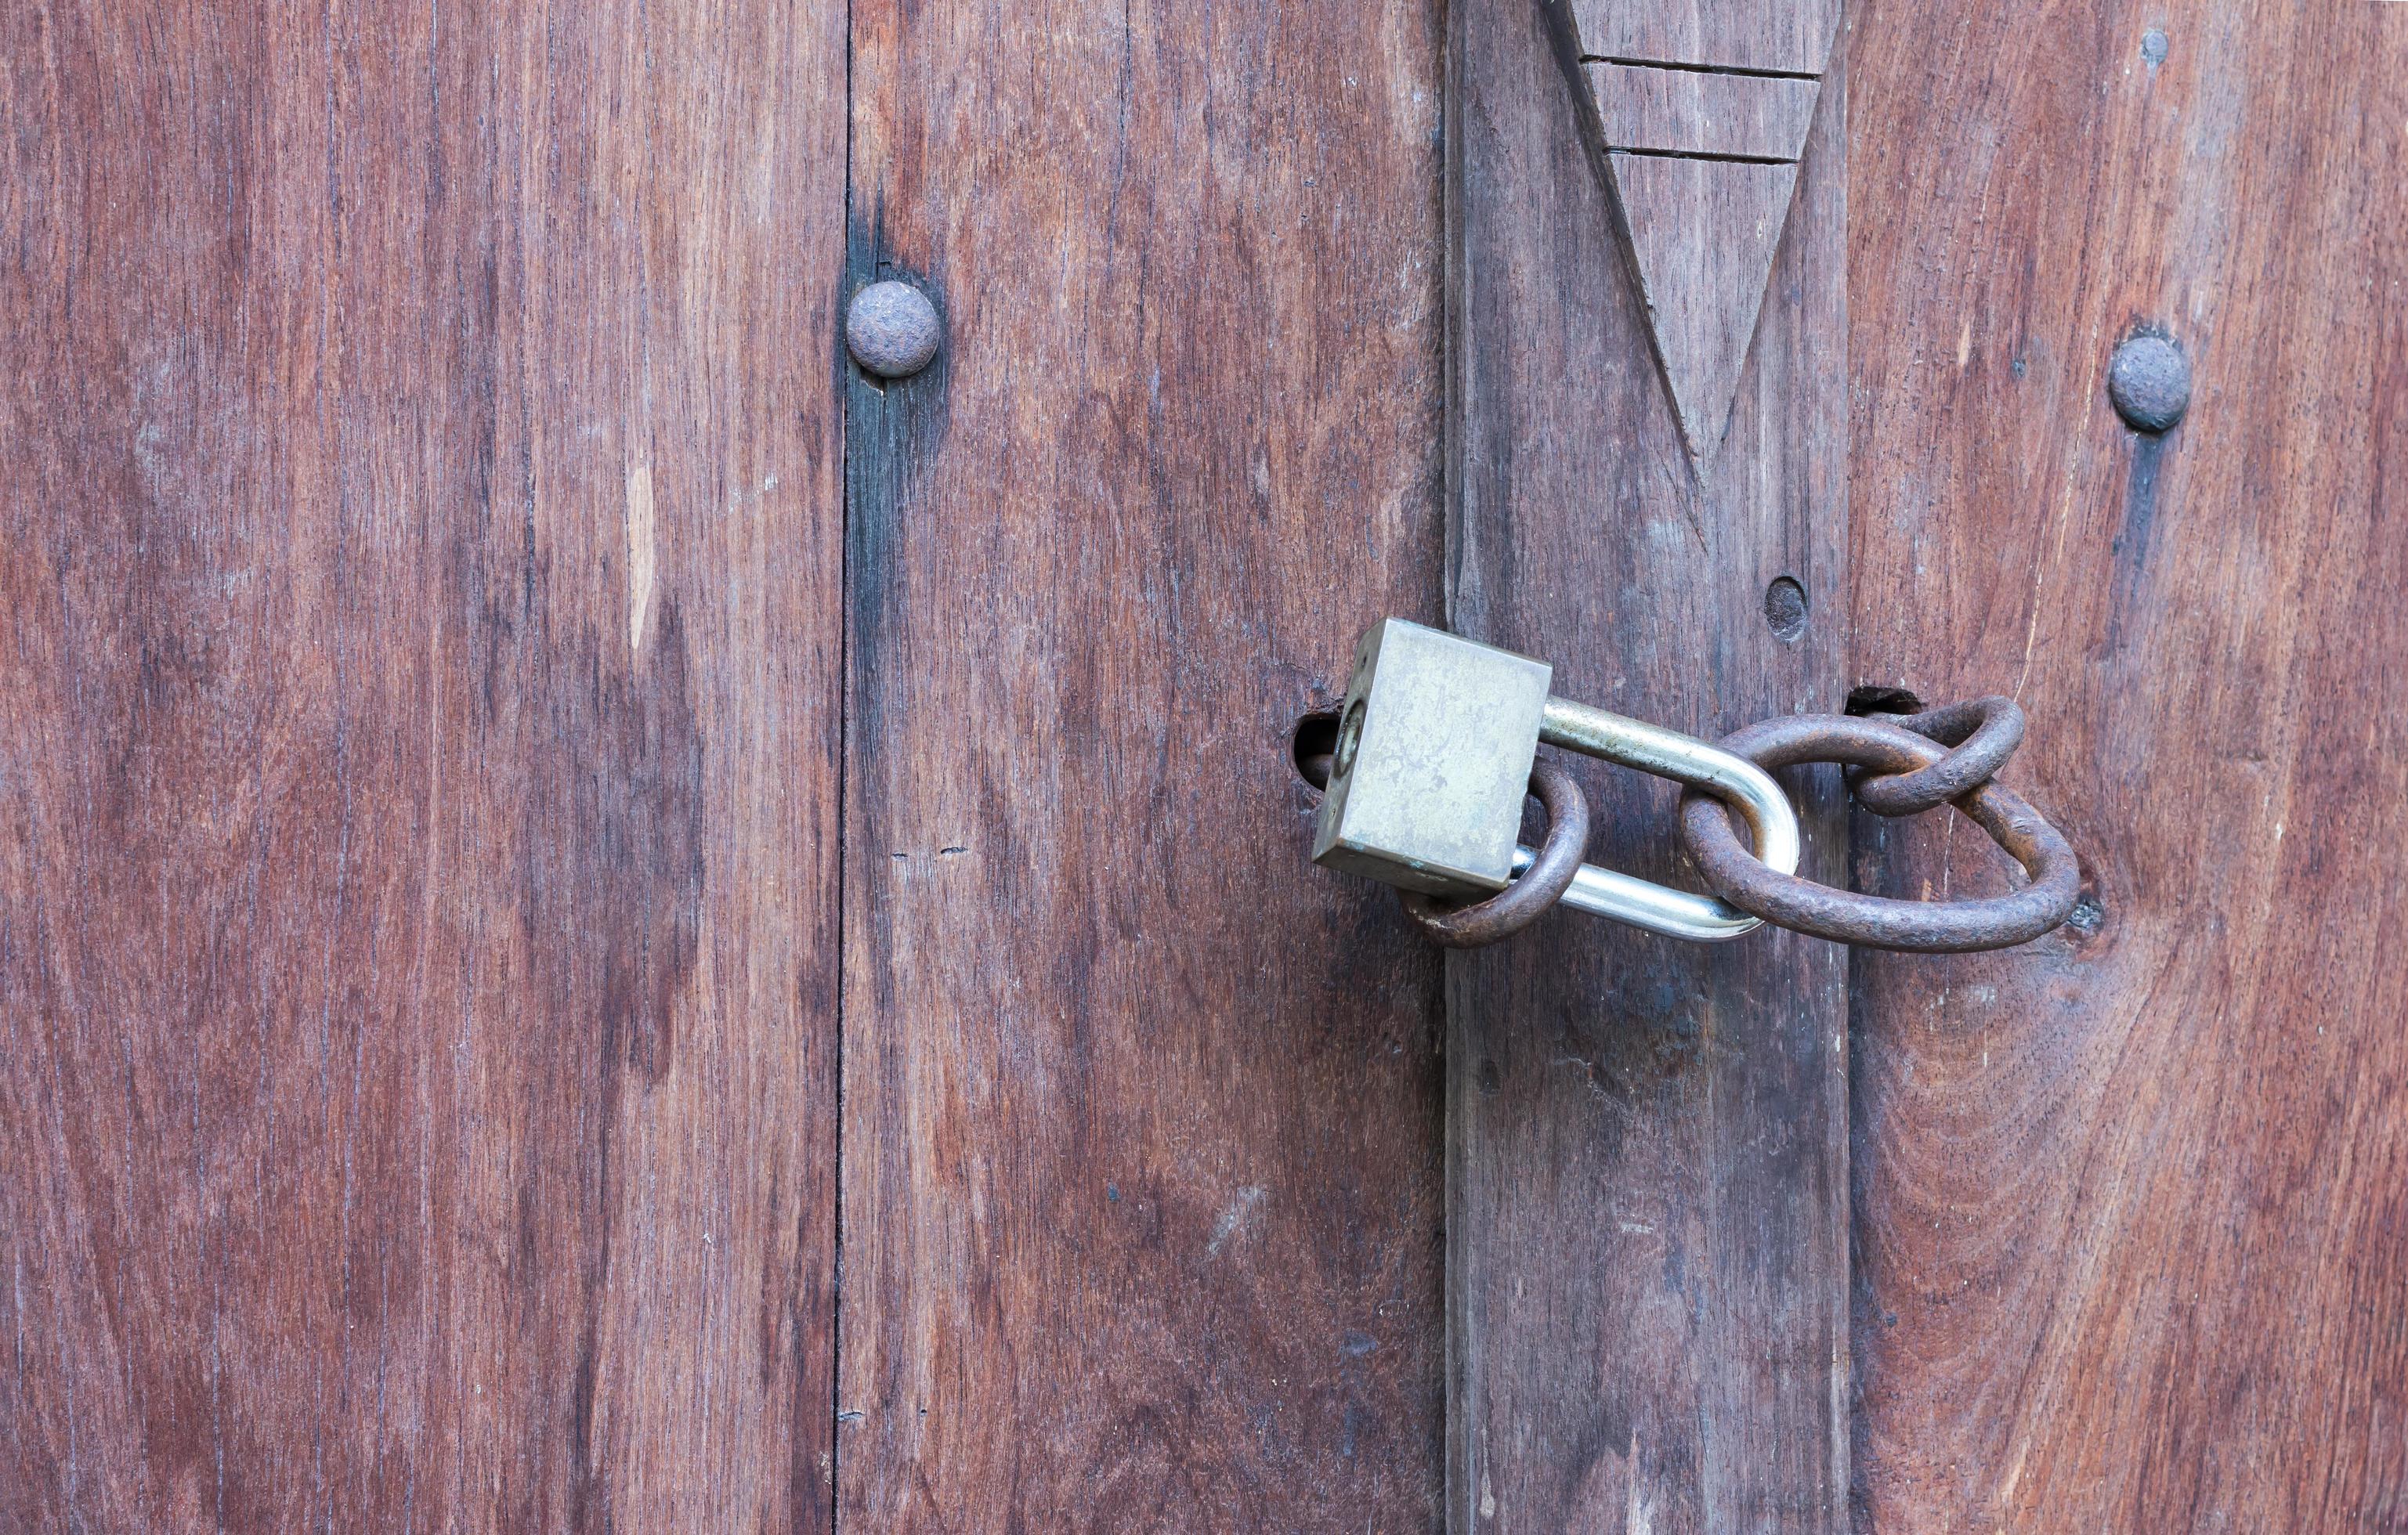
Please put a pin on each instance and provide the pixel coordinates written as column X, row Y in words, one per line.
column 639, row 806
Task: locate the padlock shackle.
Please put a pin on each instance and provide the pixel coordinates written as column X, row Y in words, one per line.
column 1684, row 759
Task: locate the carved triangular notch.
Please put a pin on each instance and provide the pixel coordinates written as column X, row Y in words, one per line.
column 1702, row 234
column 1701, row 113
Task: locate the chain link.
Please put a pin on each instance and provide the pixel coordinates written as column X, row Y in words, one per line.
column 1538, row 887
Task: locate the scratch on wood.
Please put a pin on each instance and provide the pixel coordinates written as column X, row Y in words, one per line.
column 1234, row 1219
column 1638, row 1517
column 639, row 553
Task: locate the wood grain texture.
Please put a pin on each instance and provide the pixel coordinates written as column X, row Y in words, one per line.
column 2132, row 1206
column 1647, row 1263
column 417, row 793
column 1792, row 36
column 1703, row 235
column 1697, row 111
column 1141, row 1112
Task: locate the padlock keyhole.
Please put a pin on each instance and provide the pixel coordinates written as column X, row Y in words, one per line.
column 1350, row 739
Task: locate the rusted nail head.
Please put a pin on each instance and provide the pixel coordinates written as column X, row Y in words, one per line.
column 891, row 329
column 2149, row 380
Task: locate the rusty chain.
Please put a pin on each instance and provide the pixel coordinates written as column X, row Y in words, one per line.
column 1909, row 766
column 1897, row 765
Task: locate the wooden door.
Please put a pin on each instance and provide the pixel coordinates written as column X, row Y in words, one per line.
column 609, row 922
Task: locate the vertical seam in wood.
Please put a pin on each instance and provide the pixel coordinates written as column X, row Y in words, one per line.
column 1455, row 1480
column 841, row 366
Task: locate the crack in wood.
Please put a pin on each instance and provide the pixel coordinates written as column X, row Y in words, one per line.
column 1703, row 154
column 1688, row 67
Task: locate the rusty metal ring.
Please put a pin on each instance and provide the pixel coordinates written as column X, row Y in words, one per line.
column 1985, row 733
column 1526, row 900
column 1846, row 917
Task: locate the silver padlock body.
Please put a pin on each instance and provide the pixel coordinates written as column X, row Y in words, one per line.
column 1433, row 752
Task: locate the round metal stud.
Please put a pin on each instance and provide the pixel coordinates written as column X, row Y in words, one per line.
column 891, row 329
column 2149, row 380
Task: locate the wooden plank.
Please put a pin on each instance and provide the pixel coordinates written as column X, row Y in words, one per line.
column 2131, row 1205
column 1646, row 1154
column 1698, row 111
column 417, row 885
column 1141, row 1112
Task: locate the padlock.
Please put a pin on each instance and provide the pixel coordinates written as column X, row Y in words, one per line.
column 1434, row 754
column 1436, row 748
column 1433, row 759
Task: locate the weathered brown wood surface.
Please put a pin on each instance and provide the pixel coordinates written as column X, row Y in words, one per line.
column 1646, row 1153
column 1698, row 111
column 1785, row 37
column 417, row 745
column 2131, row 1208
column 1142, row 1175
